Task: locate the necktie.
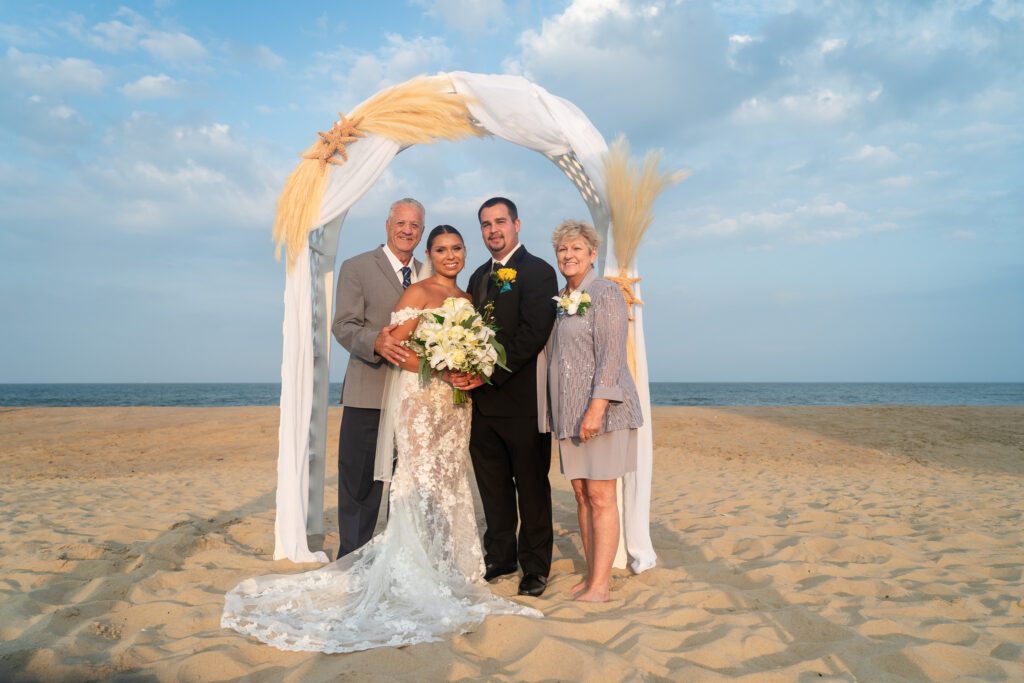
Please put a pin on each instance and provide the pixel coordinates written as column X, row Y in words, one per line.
column 406, row 277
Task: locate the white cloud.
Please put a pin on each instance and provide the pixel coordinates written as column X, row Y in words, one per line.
column 153, row 87
column 900, row 181
column 46, row 124
column 136, row 32
column 63, row 112
column 116, row 36
column 832, row 44
column 44, row 73
column 681, row 69
column 161, row 177
column 738, row 43
column 824, row 106
column 173, row 47
column 468, row 16
column 204, row 178
column 13, row 34
column 875, row 154
column 257, row 55
column 1007, row 10
column 399, row 59
column 633, row 68
column 757, row 221
column 816, row 222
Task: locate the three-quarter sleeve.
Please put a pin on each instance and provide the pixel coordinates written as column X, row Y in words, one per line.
column 611, row 328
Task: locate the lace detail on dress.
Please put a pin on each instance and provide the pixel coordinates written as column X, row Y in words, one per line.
column 416, row 582
column 408, row 313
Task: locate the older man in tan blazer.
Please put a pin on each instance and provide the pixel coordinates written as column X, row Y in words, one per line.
column 369, row 286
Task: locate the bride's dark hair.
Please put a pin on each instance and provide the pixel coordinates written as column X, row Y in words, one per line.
column 442, row 230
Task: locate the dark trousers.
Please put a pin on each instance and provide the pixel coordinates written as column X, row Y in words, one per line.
column 511, row 462
column 358, row 494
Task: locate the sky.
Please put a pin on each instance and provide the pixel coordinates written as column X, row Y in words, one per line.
column 855, row 210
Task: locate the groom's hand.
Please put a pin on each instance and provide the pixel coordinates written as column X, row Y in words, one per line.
column 389, row 348
column 462, row 380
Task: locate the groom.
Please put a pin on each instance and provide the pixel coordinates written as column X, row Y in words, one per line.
column 510, row 458
column 369, row 286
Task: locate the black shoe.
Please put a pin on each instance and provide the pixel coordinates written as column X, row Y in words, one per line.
column 533, row 585
column 496, row 570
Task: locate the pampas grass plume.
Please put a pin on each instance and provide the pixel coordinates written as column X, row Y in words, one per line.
column 631, row 194
column 418, row 111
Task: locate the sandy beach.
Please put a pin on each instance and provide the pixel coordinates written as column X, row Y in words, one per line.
column 795, row 544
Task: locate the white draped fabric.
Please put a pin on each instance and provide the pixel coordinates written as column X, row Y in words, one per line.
column 347, row 184
column 635, row 488
column 509, row 107
column 514, row 109
column 296, row 407
column 350, row 181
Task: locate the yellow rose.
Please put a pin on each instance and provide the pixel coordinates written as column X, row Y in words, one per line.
column 507, row 274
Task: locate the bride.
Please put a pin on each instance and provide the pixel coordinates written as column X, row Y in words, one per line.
column 422, row 578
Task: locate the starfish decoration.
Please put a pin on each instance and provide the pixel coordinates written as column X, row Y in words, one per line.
column 333, row 142
column 625, row 284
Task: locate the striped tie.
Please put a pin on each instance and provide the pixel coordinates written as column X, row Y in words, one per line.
column 406, row 277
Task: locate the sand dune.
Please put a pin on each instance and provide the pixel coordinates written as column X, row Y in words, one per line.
column 795, row 544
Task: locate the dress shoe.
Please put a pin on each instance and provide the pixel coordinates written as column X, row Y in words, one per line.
column 533, row 585
column 493, row 571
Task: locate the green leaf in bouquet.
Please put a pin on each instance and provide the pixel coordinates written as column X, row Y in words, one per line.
column 501, row 355
column 424, row 372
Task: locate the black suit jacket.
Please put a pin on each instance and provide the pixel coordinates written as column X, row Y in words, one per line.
column 525, row 314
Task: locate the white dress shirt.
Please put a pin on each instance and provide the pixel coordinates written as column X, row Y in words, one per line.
column 397, row 264
column 495, row 264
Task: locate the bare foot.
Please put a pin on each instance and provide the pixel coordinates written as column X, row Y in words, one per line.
column 579, row 587
column 593, row 595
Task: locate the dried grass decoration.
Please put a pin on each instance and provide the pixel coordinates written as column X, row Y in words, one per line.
column 418, row 111
column 631, row 194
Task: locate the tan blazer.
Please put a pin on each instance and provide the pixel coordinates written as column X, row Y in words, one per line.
column 367, row 292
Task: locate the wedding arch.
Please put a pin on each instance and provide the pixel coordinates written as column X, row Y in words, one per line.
column 339, row 168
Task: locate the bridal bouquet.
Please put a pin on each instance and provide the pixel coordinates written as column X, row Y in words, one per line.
column 457, row 337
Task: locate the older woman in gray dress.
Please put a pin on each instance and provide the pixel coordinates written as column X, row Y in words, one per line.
column 591, row 402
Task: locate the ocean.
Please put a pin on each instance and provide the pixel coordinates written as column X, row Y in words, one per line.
column 662, row 393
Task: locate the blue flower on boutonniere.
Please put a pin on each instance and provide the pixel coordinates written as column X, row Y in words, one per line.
column 504, row 278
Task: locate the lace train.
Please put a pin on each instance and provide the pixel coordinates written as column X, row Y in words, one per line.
column 419, row 580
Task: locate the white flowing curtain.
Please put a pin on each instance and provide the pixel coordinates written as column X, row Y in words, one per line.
column 347, row 184
column 509, row 107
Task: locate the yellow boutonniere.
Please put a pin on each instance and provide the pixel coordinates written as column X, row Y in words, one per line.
column 503, row 278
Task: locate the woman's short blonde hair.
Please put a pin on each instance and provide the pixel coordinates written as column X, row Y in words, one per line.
column 569, row 230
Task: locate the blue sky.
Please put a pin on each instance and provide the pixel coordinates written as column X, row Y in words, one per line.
column 856, row 210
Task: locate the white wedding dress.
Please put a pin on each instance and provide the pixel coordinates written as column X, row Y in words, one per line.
column 419, row 580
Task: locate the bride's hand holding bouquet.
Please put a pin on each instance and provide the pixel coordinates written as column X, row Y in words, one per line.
column 457, row 339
